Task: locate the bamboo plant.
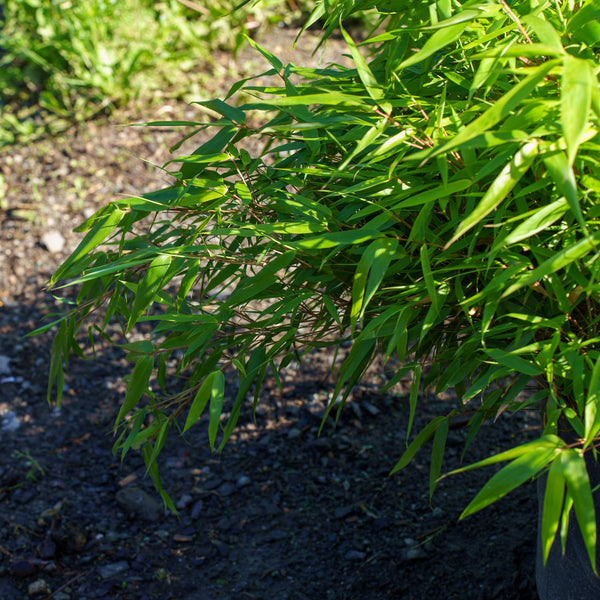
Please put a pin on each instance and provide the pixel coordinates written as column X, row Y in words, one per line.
column 437, row 202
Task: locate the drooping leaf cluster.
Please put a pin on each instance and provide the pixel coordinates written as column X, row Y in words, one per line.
column 436, row 202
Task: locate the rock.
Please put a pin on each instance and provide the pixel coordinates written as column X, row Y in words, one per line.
column 4, row 365
column 226, row 489
column 10, row 421
column 184, row 501
column 61, row 596
column 38, row 588
column 112, row 569
column 197, row 509
column 22, row 569
column 293, row 433
column 411, row 554
column 137, row 502
column 354, row 555
column 342, row 511
column 243, row 481
column 370, row 408
column 53, row 241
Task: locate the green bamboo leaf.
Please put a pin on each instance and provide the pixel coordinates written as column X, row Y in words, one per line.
column 544, row 30
column 56, row 374
column 428, row 276
column 133, row 434
column 548, row 442
column 576, row 99
column 337, row 239
column 161, row 438
column 561, row 172
column 578, row 484
column 106, row 222
column 540, row 220
column 366, row 75
column 148, row 287
column 511, row 476
column 250, row 287
column 137, row 385
column 516, row 363
column 273, row 60
column 370, row 272
column 424, row 436
column 152, row 469
column 564, row 521
column 584, row 25
column 216, row 406
column 440, row 39
column 553, row 506
column 199, row 402
column 437, row 455
column 500, row 188
column 502, row 108
column 230, row 112
column 412, row 400
column 592, row 414
column 557, row 261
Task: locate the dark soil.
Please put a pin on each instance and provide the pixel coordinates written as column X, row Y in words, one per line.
column 281, row 513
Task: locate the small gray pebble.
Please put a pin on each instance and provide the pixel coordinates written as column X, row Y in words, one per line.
column 354, row 555
column 243, row 481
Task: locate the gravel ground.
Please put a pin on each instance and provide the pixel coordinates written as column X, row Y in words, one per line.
column 281, row 513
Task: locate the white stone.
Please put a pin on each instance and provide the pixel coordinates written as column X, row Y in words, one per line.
column 53, row 241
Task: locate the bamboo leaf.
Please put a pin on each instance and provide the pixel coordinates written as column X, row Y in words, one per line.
column 366, row 75
column 553, row 506
column 440, row 39
column 511, row 476
column 106, row 222
column 555, row 263
column 540, row 220
column 547, row 442
column 500, row 188
column 592, row 414
column 424, row 436
column 370, row 272
column 199, row 402
column 576, row 99
column 437, row 455
column 578, row 484
column 148, row 287
column 412, row 400
column 501, row 109
column 216, row 406
column 137, row 385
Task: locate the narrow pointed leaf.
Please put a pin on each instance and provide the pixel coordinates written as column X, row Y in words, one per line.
column 576, row 99
column 137, row 385
column 553, row 505
column 216, row 406
column 578, row 483
column 500, row 188
column 509, row 477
